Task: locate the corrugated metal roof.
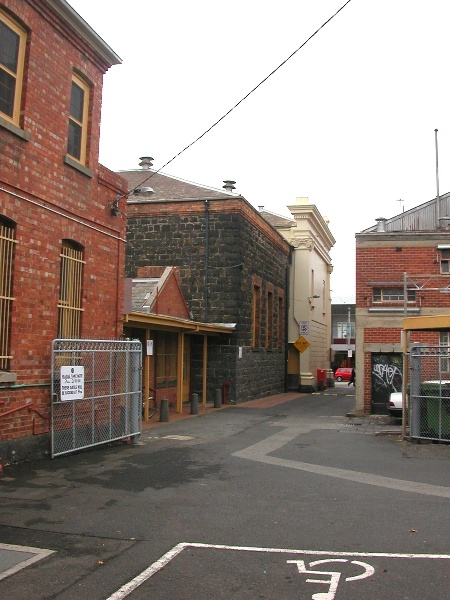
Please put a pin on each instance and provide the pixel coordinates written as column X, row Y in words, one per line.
column 421, row 218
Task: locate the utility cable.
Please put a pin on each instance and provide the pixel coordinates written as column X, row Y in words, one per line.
column 248, row 94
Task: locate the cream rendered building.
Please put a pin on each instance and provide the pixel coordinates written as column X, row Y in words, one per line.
column 309, row 310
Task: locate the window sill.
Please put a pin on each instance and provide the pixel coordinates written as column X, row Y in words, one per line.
column 21, row 133
column 394, row 310
column 7, row 377
column 68, row 160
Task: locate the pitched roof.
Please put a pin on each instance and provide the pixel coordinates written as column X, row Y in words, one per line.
column 277, row 220
column 141, row 293
column 167, row 187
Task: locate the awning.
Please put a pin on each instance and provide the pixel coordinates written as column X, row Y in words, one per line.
column 167, row 323
column 430, row 322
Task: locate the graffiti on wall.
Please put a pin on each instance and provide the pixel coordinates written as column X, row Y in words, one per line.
column 387, row 377
column 387, row 374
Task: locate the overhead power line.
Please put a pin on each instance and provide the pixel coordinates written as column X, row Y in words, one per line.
column 249, row 93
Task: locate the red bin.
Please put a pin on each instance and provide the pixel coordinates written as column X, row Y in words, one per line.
column 321, row 379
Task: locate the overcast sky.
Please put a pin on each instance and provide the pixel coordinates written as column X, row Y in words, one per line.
column 348, row 121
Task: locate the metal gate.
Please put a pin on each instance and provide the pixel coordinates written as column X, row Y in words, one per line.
column 428, row 393
column 96, row 393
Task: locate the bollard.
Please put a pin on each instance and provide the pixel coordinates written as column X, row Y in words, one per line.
column 218, row 399
column 164, row 411
column 194, row 404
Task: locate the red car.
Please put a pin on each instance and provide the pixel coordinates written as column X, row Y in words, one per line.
column 343, row 374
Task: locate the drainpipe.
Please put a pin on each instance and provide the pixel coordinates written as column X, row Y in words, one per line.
column 286, row 320
column 206, row 257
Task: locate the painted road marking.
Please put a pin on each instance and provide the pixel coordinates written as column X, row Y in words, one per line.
column 154, row 568
column 14, row 558
column 260, row 451
column 334, row 575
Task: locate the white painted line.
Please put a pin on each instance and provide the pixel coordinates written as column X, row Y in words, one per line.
column 315, row 552
column 151, row 570
column 39, row 554
column 129, row 587
column 260, row 453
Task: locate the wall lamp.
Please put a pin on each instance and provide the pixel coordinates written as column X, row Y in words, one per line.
column 311, row 297
column 140, row 191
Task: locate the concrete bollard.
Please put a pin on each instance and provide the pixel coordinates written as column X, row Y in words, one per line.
column 194, row 404
column 218, row 399
column 164, row 411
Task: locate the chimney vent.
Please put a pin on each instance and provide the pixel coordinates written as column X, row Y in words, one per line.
column 229, row 185
column 381, row 224
column 260, row 208
column 146, row 162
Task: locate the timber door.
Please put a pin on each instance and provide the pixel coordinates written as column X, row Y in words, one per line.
column 387, row 377
column 186, row 368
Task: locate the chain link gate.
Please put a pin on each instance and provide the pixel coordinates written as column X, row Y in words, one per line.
column 428, row 393
column 96, row 393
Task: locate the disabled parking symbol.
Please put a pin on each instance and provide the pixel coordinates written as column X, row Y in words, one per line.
column 331, row 578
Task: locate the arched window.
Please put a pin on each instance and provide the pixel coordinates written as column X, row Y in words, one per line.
column 70, row 295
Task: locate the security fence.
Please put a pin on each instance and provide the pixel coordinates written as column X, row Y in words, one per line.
column 96, row 393
column 428, row 393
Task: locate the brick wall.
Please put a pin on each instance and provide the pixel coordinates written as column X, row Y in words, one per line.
column 49, row 201
column 382, row 262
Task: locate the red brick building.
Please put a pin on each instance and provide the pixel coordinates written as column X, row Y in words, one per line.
column 61, row 250
column 402, row 269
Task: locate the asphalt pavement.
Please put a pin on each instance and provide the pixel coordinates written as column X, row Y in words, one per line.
column 241, row 492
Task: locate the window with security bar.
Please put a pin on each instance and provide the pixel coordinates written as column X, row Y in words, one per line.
column 7, row 243
column 70, row 296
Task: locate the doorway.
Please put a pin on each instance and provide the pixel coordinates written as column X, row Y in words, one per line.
column 387, row 377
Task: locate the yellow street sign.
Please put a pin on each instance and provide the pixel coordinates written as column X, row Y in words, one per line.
column 301, row 344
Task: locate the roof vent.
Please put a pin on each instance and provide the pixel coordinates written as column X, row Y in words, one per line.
column 381, row 224
column 229, row 185
column 144, row 191
column 146, row 162
column 260, row 208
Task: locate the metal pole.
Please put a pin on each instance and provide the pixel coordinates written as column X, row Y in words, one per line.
column 438, row 199
column 405, row 357
column 194, row 404
column 349, row 331
column 206, row 257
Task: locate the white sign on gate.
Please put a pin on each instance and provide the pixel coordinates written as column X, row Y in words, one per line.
column 72, row 383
